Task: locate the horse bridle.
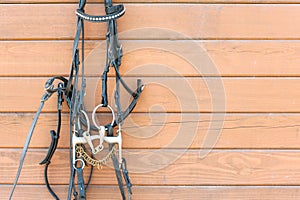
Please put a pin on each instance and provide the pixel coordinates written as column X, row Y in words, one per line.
column 72, row 90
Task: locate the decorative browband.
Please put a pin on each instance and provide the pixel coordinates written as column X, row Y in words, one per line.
column 104, row 18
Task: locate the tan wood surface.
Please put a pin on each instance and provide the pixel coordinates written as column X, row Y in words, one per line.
column 166, row 192
column 219, row 116
column 171, row 94
column 169, row 167
column 159, row 1
column 239, row 131
column 146, row 58
column 213, row 21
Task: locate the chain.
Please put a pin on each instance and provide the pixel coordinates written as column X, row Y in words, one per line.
column 80, row 153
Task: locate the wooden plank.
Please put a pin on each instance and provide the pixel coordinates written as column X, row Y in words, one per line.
column 158, row 1
column 156, row 58
column 170, row 94
column 33, row 192
column 217, row 21
column 168, row 167
column 239, row 131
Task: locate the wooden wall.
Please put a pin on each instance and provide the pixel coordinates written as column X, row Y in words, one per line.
column 248, row 54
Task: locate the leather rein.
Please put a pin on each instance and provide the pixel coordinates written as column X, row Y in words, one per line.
column 72, row 90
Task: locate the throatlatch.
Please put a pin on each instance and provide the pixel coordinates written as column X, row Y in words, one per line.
column 72, row 90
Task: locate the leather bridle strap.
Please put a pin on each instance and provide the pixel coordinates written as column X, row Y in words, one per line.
column 44, row 98
column 54, row 140
column 114, row 54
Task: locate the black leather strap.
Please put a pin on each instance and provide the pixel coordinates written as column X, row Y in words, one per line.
column 54, row 139
column 118, row 175
column 81, row 186
column 116, row 166
column 126, row 177
column 44, row 98
column 52, row 147
column 47, row 181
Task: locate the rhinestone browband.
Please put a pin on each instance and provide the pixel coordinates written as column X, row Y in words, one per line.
column 99, row 18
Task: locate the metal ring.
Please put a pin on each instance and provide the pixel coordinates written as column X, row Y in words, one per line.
column 82, row 166
column 94, row 113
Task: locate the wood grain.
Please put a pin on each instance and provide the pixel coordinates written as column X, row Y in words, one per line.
column 214, row 21
column 160, row 1
column 163, row 192
column 250, row 47
column 170, row 94
column 168, row 167
column 239, row 131
column 156, row 58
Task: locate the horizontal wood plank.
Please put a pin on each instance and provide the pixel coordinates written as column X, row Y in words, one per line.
column 170, row 94
column 156, row 58
column 158, row 1
column 199, row 60
column 167, row 167
column 217, row 21
column 34, row 192
column 239, row 131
